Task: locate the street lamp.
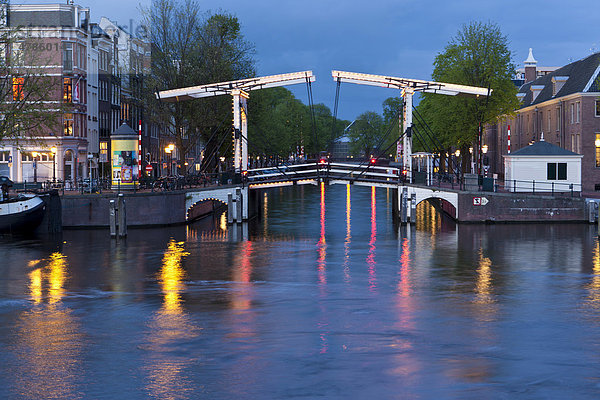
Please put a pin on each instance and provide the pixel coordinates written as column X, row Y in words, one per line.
column 168, row 150
column 53, row 150
column 34, row 154
column 484, row 149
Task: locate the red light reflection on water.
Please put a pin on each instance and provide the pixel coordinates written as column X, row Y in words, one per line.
column 404, row 285
column 243, row 274
column 322, row 245
column 371, row 257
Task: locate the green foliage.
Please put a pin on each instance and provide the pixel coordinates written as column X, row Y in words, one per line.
column 477, row 56
column 366, row 134
column 190, row 49
column 279, row 123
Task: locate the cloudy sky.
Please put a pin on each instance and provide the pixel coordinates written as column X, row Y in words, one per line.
column 388, row 37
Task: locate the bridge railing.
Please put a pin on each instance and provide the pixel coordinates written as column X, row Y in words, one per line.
column 325, row 171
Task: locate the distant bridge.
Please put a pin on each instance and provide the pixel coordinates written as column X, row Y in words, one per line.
column 407, row 195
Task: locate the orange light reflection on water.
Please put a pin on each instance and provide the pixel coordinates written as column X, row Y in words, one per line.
column 243, row 275
column 407, row 366
column 170, row 277
column 166, row 371
column 49, row 341
column 371, row 262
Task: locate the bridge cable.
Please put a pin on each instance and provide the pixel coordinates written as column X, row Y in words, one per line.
column 388, row 131
column 215, row 131
column 428, row 129
column 217, row 149
column 312, row 112
column 265, row 144
column 209, row 158
column 335, row 112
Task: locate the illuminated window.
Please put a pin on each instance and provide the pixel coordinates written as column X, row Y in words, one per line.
column 68, row 124
column 67, row 90
column 17, row 88
column 597, row 145
column 597, row 108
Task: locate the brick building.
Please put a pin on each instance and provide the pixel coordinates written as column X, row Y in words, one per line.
column 564, row 106
column 61, row 41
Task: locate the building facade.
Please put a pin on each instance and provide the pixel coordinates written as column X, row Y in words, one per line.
column 562, row 105
column 61, row 41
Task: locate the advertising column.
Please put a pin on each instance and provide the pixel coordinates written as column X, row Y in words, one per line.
column 124, row 158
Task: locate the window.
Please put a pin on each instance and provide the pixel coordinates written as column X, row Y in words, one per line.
column 597, row 145
column 68, row 56
column 67, row 90
column 562, row 171
column 553, row 168
column 558, row 119
column 597, row 108
column 551, row 174
column 577, row 111
column 548, row 128
column 17, row 88
column 68, row 124
column 572, row 113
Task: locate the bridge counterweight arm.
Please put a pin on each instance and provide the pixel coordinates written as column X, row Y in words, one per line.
column 224, row 88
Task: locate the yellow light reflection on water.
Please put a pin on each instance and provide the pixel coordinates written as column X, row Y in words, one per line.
column 348, row 236
column 265, row 215
column 35, row 285
column 371, row 263
column 223, row 222
column 48, row 339
column 594, row 285
column 483, row 286
column 57, row 277
column 428, row 218
column 166, row 371
column 171, row 277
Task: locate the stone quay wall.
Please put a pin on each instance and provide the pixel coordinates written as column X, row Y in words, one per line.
column 477, row 207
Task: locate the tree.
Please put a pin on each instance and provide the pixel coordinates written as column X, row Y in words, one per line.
column 478, row 56
column 189, row 49
column 279, row 123
column 366, row 134
column 26, row 88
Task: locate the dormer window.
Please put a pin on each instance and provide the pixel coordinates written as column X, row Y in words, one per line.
column 520, row 96
column 535, row 90
column 557, row 83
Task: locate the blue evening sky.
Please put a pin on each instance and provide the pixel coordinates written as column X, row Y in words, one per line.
column 388, row 37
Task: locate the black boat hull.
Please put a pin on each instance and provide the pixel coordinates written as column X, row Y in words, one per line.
column 24, row 221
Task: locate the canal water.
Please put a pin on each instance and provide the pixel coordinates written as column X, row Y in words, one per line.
column 323, row 297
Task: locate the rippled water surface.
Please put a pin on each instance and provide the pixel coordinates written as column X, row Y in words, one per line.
column 323, row 297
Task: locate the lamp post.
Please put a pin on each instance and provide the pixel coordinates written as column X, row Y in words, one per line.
column 34, row 154
column 457, row 155
column 484, row 150
column 53, row 150
column 168, row 150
